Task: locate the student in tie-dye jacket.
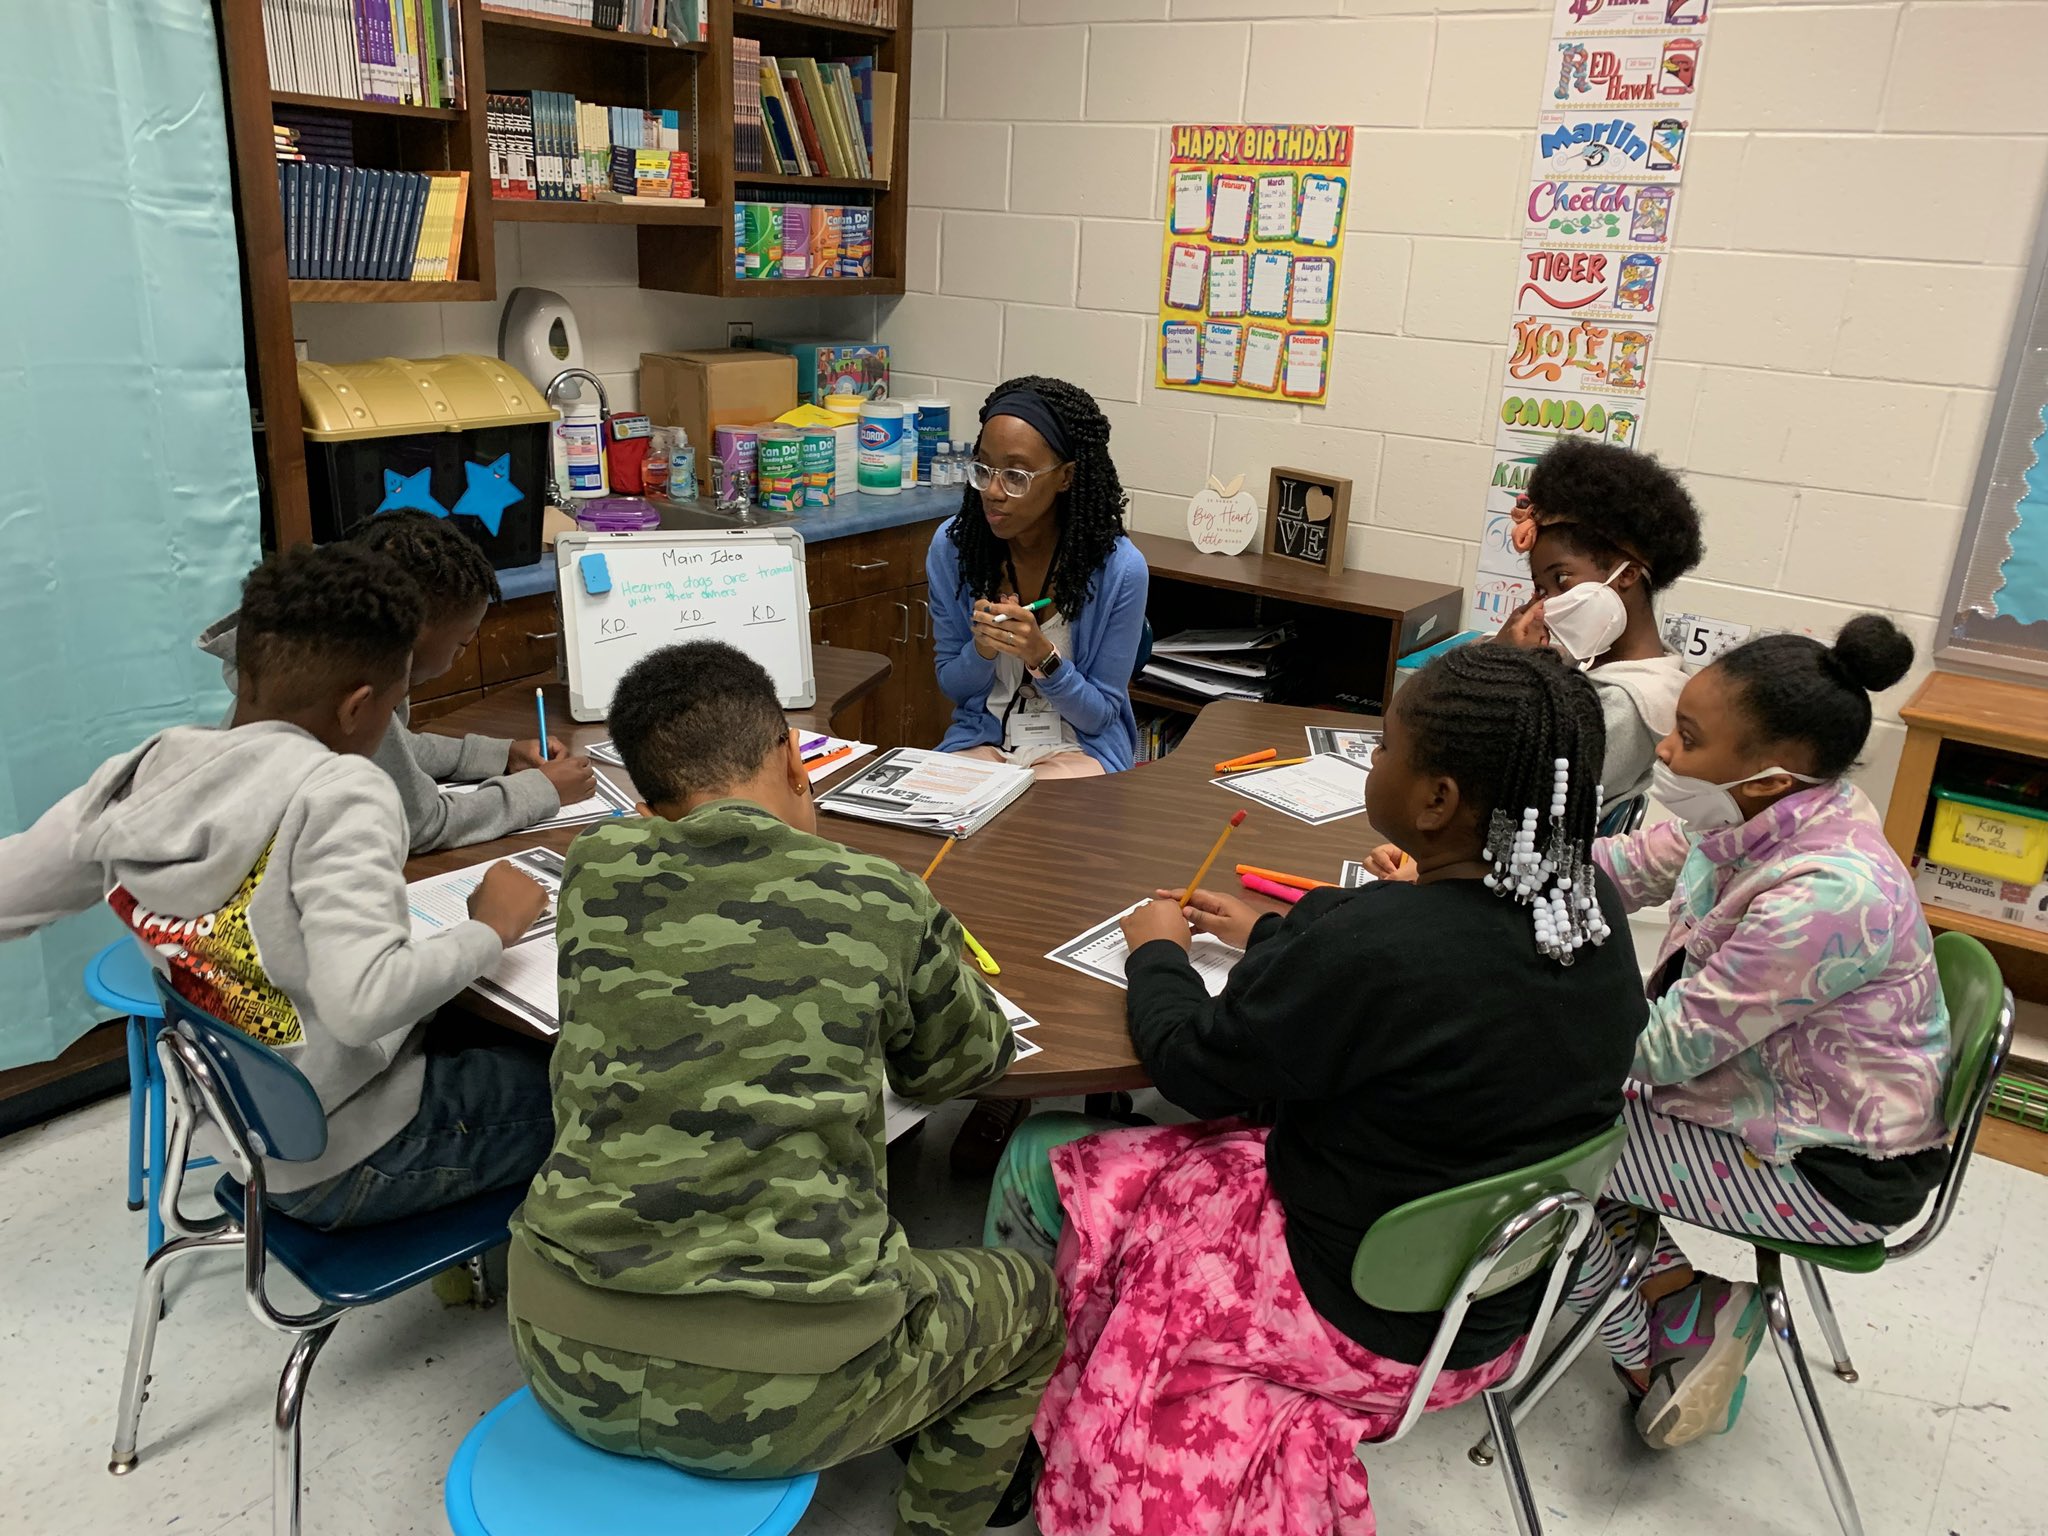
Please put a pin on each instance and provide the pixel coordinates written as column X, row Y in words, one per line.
column 1792, row 1068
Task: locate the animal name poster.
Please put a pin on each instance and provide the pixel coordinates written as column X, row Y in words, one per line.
column 1614, row 115
column 1254, row 249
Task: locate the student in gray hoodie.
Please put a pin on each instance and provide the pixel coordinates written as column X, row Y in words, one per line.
column 263, row 868
column 515, row 786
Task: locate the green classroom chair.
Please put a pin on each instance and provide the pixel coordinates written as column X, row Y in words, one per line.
column 1448, row 1250
column 1980, row 1011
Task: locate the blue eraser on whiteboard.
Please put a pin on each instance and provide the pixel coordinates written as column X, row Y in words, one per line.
column 597, row 576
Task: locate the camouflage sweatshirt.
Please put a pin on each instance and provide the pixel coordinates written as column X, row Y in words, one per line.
column 734, row 995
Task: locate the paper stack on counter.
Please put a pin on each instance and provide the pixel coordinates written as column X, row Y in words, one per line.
column 928, row 791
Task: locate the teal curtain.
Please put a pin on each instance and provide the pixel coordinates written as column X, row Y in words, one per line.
column 128, row 509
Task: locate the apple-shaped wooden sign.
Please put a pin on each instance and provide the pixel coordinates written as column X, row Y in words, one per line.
column 1223, row 519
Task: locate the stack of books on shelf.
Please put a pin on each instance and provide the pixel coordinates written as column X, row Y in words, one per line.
column 403, row 51
column 355, row 224
column 813, row 117
column 869, row 13
column 1220, row 663
column 796, row 240
column 547, row 146
column 680, row 21
column 1159, row 732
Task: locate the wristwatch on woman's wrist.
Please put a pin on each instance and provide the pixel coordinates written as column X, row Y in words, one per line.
column 1050, row 666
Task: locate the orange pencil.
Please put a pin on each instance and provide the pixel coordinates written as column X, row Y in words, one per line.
column 1299, row 882
column 1279, row 762
column 1216, row 849
column 944, row 848
column 828, row 759
column 1247, row 760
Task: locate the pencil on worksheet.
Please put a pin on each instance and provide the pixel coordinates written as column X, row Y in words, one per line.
column 1230, row 827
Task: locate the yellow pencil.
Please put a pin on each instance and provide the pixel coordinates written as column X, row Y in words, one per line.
column 1229, row 828
column 982, row 957
column 944, row 848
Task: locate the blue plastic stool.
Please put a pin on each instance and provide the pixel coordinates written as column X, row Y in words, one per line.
column 519, row 1473
column 120, row 977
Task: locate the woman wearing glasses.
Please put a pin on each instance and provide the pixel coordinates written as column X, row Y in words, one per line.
column 1038, row 599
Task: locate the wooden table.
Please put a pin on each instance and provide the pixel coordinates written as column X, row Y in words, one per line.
column 1060, row 860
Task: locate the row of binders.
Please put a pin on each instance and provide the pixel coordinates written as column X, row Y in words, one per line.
column 547, row 146
column 680, row 21
column 403, row 51
column 812, row 117
column 1220, row 663
column 348, row 223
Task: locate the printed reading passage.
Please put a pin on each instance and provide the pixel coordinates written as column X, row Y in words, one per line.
column 1325, row 788
column 1261, row 360
column 1101, row 953
column 1230, row 216
column 1254, row 230
column 1276, row 207
column 1226, row 284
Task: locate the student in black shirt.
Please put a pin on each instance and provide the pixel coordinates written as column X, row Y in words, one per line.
column 1398, row 1040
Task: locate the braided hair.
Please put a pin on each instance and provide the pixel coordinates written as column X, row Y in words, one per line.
column 451, row 569
column 1521, row 734
column 1090, row 511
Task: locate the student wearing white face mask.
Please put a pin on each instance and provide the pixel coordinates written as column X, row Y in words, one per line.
column 1790, row 1076
column 1605, row 531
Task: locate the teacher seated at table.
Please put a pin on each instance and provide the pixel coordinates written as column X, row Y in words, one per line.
column 1037, row 597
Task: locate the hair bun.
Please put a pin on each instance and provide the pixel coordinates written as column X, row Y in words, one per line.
column 1872, row 652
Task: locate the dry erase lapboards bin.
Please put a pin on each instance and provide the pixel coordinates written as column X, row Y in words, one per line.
column 626, row 595
column 464, row 437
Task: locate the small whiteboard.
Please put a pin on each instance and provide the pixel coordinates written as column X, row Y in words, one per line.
column 625, row 595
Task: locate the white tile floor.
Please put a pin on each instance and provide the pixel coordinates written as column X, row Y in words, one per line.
column 1944, row 1436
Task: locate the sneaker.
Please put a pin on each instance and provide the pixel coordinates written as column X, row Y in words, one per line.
column 1701, row 1342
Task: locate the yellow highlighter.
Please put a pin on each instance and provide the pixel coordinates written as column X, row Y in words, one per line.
column 982, row 957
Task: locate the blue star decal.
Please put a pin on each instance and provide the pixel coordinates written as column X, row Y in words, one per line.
column 489, row 493
column 409, row 493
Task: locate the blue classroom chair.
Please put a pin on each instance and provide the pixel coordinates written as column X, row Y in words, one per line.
column 255, row 1098
column 121, row 978
column 519, row 1473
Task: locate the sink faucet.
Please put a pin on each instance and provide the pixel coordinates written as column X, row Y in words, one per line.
column 558, row 494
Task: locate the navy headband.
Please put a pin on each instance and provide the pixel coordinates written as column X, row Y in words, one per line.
column 1029, row 406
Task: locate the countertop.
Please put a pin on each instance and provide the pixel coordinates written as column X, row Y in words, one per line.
column 846, row 516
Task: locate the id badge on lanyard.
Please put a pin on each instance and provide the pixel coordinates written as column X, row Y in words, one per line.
column 1033, row 723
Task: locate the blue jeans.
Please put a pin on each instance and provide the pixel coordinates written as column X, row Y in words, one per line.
column 485, row 1121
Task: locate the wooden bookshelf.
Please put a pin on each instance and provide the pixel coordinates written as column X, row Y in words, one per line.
column 570, row 32
column 681, row 249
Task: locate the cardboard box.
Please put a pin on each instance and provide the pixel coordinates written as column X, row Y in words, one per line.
column 1960, row 890
column 723, row 387
column 826, row 367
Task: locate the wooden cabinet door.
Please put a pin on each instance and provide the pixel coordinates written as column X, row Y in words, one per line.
column 868, row 624
column 927, row 712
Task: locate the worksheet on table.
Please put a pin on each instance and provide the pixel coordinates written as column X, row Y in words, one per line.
column 1101, row 953
column 1322, row 789
column 524, row 979
column 605, row 801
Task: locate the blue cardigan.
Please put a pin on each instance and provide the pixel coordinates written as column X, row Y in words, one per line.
column 1092, row 691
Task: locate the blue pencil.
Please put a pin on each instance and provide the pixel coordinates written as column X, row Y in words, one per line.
column 540, row 705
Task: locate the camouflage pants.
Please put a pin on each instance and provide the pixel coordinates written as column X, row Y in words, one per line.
column 962, row 1372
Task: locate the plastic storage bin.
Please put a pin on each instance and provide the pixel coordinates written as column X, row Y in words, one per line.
column 1989, row 837
column 461, row 437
